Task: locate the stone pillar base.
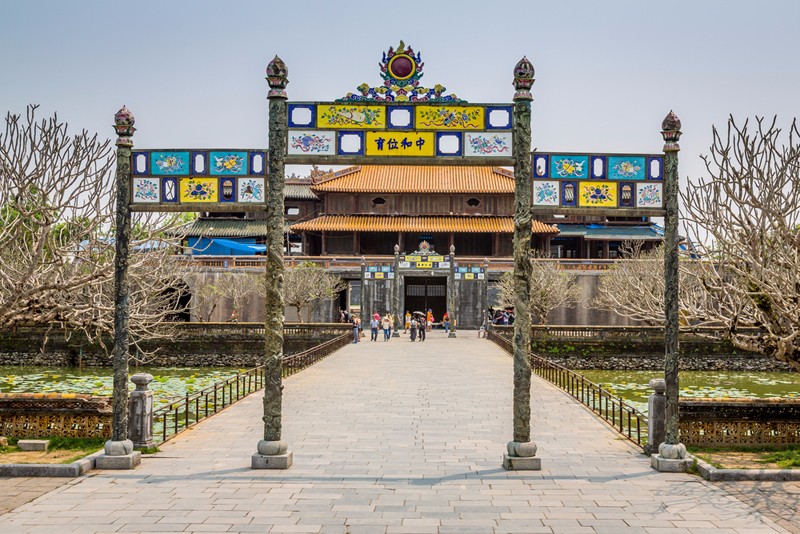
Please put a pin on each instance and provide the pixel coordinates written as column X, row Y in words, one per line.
column 275, row 461
column 125, row 461
column 395, row 333
column 451, row 334
column 521, row 463
column 668, row 465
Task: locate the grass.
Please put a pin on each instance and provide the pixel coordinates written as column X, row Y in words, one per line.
column 783, row 457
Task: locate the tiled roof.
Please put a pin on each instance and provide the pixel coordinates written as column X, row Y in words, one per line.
column 417, row 179
column 299, row 191
column 378, row 223
column 214, row 227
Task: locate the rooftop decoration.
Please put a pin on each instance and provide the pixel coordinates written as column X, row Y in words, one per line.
column 277, row 77
column 123, row 125
column 401, row 70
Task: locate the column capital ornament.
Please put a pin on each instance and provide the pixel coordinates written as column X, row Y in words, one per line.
column 523, row 79
column 123, row 126
column 277, row 78
column 671, row 132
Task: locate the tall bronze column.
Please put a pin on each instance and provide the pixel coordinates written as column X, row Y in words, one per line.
column 672, row 452
column 119, row 453
column 452, row 297
column 521, row 452
column 273, row 452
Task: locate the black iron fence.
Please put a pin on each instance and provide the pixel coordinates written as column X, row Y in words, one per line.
column 174, row 418
column 623, row 417
column 258, row 329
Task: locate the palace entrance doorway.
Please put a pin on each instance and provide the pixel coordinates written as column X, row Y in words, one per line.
column 423, row 293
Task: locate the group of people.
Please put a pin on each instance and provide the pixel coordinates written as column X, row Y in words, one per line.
column 416, row 325
column 377, row 323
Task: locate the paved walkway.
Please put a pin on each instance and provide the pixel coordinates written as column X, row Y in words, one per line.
column 396, row 438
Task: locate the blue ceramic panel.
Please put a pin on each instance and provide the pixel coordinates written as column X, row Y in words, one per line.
column 599, row 168
column 540, row 165
column 569, row 166
column 227, row 190
column 449, row 144
column 169, row 189
column 302, row 115
column 258, row 163
column 228, row 163
column 569, row 193
column 627, row 190
column 626, row 168
column 199, row 163
column 655, row 168
column 400, row 117
column 169, row 163
column 350, row 143
column 140, row 165
column 499, row 117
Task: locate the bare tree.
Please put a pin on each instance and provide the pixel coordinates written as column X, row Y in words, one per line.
column 240, row 288
column 551, row 288
column 56, row 249
column 205, row 299
column 307, row 285
column 748, row 209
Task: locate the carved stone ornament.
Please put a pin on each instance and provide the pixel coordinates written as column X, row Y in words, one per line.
column 523, row 79
column 277, row 78
column 671, row 132
column 123, row 125
column 401, row 70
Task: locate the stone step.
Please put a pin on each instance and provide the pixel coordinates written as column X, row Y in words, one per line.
column 33, row 444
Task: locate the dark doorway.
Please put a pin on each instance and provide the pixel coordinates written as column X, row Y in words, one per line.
column 422, row 293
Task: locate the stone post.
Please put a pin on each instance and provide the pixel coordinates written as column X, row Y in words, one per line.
column 119, row 453
column 272, row 451
column 141, row 412
column 396, row 310
column 656, row 414
column 451, row 293
column 521, row 453
column 671, row 453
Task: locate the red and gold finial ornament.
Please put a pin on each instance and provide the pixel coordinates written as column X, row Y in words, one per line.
column 123, row 126
column 277, row 78
column 523, row 79
column 671, row 132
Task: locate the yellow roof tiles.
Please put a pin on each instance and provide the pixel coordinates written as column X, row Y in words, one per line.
column 382, row 223
column 417, row 179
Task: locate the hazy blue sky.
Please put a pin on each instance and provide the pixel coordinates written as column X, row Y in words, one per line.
column 606, row 72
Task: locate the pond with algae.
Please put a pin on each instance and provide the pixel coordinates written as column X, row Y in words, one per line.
column 168, row 385
column 633, row 385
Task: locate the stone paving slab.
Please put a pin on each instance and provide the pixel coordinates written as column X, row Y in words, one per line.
column 392, row 438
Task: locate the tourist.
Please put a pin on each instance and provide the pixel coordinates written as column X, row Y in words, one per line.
column 446, row 321
column 407, row 323
column 356, row 329
column 423, row 326
column 387, row 327
column 428, row 320
column 374, row 323
column 413, row 329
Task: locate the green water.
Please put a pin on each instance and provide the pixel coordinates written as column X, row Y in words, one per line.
column 169, row 383
column 633, row 385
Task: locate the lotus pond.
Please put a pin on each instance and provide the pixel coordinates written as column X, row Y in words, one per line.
column 633, row 385
column 169, row 383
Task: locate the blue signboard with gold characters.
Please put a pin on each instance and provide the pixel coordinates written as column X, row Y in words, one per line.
column 400, row 118
column 607, row 181
column 185, row 178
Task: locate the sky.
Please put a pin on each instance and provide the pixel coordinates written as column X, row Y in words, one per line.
column 607, row 72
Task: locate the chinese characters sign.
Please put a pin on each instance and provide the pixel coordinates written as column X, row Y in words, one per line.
column 406, row 129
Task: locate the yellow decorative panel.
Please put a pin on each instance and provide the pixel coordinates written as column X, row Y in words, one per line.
column 424, row 265
column 400, row 144
column 199, row 190
column 597, row 194
column 351, row 116
column 450, row 118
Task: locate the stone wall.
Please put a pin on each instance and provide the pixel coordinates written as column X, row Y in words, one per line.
column 201, row 350
column 55, row 414
column 740, row 422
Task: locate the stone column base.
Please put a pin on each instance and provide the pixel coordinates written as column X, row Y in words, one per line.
column 521, row 463
column 667, row 465
column 395, row 333
column 275, row 461
column 125, row 461
column 451, row 334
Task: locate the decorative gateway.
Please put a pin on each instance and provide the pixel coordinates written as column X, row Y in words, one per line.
column 399, row 119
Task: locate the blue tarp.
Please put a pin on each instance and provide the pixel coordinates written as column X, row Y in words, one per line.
column 243, row 247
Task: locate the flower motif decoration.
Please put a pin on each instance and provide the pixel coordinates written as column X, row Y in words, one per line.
column 597, row 194
column 197, row 190
column 569, row 167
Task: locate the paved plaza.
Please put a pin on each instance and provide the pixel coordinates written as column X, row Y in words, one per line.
column 398, row 438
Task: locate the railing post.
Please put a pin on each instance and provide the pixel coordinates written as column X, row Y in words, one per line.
column 140, row 414
column 656, row 415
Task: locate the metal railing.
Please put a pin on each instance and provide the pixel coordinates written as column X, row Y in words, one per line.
column 620, row 415
column 612, row 333
column 258, row 329
column 180, row 415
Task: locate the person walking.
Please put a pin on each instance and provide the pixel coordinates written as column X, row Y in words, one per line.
column 446, row 321
column 407, row 323
column 412, row 327
column 387, row 327
column 356, row 328
column 429, row 320
column 373, row 328
column 423, row 325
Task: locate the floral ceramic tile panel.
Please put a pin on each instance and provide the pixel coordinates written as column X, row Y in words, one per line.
column 626, row 168
column 251, row 190
column 649, row 195
column 545, row 193
column 487, row 144
column 228, row 163
column 312, row 143
column 164, row 163
column 569, row 166
column 199, row 190
column 597, row 194
column 146, row 190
